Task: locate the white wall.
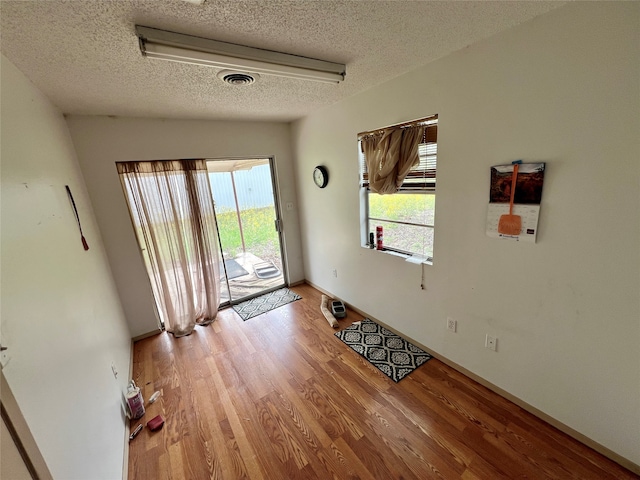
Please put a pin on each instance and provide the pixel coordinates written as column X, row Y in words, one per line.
column 61, row 316
column 102, row 141
column 561, row 89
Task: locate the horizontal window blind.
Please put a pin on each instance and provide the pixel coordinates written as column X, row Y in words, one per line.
column 421, row 177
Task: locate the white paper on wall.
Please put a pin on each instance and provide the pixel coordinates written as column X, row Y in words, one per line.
column 528, row 213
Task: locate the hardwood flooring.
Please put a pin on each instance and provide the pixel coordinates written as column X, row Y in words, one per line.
column 280, row 397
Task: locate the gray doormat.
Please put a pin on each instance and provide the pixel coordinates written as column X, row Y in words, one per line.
column 234, row 269
column 389, row 353
column 266, row 302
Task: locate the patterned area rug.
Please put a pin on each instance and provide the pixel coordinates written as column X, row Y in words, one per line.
column 266, row 302
column 389, row 353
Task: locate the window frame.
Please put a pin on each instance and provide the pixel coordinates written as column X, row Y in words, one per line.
column 409, row 186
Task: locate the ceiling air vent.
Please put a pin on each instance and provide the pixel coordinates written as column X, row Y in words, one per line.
column 237, row 78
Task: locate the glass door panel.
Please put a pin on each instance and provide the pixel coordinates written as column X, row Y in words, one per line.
column 247, row 218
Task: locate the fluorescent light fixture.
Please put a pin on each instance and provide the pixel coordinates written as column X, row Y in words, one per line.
column 177, row 47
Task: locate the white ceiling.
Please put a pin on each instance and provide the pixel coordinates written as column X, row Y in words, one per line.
column 84, row 55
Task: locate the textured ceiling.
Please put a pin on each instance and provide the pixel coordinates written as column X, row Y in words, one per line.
column 84, row 55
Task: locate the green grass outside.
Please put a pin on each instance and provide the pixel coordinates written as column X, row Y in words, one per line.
column 414, row 208
column 261, row 238
column 257, row 226
column 259, row 231
column 401, row 207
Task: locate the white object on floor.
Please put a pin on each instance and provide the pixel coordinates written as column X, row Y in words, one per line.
column 266, row 270
column 154, row 397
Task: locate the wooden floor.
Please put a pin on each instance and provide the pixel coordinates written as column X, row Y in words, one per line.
column 280, row 397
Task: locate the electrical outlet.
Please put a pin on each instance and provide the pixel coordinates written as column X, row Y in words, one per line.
column 491, row 343
column 289, row 206
column 335, row 273
column 451, row 324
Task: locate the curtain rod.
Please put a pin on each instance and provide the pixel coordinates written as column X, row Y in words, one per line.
column 398, row 125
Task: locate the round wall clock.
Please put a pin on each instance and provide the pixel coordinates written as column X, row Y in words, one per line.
column 321, row 176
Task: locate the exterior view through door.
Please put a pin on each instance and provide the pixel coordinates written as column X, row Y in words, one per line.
column 248, row 226
column 247, row 238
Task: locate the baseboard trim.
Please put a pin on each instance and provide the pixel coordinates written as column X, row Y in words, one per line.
column 143, row 336
column 619, row 459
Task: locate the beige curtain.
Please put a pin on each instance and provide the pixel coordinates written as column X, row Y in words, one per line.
column 390, row 155
column 172, row 209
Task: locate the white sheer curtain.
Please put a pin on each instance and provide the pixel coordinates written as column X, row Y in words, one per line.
column 172, row 210
column 390, row 155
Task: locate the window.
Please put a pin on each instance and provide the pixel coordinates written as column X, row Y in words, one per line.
column 400, row 195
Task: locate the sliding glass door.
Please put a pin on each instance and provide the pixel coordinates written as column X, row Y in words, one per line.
column 248, row 225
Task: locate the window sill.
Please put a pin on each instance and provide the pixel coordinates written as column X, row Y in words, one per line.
column 417, row 259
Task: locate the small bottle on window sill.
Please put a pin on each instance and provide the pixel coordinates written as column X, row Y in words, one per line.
column 379, row 238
